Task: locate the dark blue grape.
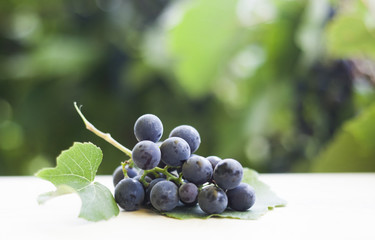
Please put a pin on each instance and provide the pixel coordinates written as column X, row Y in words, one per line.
column 131, row 172
column 164, row 196
column 174, row 151
column 118, row 174
column 228, row 174
column 197, row 170
column 129, row 194
column 188, row 193
column 146, row 155
column 241, row 197
column 148, row 127
column 212, row 200
column 189, row 134
column 213, row 160
column 149, row 188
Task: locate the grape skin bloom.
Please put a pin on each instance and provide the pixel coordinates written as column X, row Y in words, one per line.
column 164, row 196
column 174, row 151
column 228, row 174
column 148, row 127
column 129, row 194
column 241, row 197
column 149, row 188
column 146, row 155
column 212, row 200
column 197, row 170
column 188, row 193
column 189, row 134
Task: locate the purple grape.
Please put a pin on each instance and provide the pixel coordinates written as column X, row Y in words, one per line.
column 197, row 170
column 241, row 197
column 164, row 196
column 188, row 193
column 212, row 200
column 189, row 134
column 129, row 194
column 174, row 151
column 228, row 174
column 146, row 155
column 148, row 127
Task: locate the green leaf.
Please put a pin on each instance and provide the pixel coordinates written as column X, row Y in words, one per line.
column 60, row 190
column 352, row 32
column 353, row 149
column 265, row 200
column 75, row 172
column 200, row 47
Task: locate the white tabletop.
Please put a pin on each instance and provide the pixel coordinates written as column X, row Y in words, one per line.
column 320, row 206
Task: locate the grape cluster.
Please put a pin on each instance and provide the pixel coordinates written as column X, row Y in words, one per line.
column 167, row 174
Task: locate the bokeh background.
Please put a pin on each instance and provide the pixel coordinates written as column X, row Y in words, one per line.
column 282, row 86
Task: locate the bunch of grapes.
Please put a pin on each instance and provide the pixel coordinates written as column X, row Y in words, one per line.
column 167, row 174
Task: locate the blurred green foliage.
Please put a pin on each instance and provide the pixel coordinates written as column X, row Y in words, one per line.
column 282, row 86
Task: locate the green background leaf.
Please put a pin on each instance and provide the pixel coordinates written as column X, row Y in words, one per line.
column 75, row 172
column 352, row 33
column 198, row 47
column 265, row 200
column 353, row 149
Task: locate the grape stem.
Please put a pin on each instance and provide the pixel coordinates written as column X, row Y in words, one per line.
column 105, row 136
column 164, row 171
column 129, row 163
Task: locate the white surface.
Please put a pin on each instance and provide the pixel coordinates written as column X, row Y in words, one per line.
column 320, row 206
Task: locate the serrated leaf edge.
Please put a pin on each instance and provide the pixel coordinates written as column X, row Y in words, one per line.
column 72, row 190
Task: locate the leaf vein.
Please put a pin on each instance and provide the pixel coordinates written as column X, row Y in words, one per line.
column 68, row 174
column 67, row 166
column 91, row 169
column 83, row 172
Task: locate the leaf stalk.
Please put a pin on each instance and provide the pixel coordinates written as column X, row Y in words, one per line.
column 105, row 136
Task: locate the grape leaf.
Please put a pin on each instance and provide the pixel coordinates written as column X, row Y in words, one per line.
column 265, row 200
column 75, row 172
column 60, row 190
column 353, row 148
